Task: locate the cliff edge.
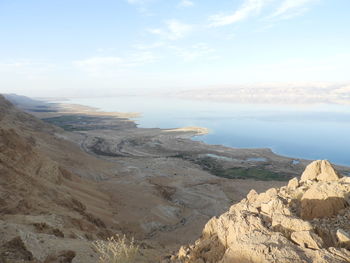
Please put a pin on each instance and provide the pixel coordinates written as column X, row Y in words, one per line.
column 305, row 221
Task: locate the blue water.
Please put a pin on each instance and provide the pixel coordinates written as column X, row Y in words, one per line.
column 319, row 131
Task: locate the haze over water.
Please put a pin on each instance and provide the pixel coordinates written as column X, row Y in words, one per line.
column 317, row 131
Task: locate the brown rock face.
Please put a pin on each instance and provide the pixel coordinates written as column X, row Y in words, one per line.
column 308, row 221
column 323, row 200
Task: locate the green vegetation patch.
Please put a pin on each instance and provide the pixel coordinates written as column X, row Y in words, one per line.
column 70, row 118
column 255, row 173
column 260, row 173
column 76, row 122
column 88, row 123
column 66, row 122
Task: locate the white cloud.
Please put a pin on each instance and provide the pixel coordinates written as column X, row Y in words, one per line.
column 291, row 8
column 186, row 3
column 174, row 30
column 112, row 64
column 141, row 58
column 285, row 9
column 249, row 8
column 95, row 64
column 199, row 50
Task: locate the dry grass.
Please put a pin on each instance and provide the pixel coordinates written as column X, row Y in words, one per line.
column 116, row 250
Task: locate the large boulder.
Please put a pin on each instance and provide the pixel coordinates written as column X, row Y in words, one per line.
column 320, row 170
column 323, row 200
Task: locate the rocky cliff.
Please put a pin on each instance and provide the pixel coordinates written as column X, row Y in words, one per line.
column 305, row 221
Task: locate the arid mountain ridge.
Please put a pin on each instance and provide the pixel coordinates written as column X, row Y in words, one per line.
column 42, row 218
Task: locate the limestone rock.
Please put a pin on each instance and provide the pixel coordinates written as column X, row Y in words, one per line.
column 293, row 183
column 252, row 196
column 343, row 237
column 311, row 171
column 290, row 223
column 182, row 252
column 263, row 197
column 307, row 239
column 275, row 205
column 320, row 170
column 322, row 200
column 209, row 228
column 272, row 192
column 328, row 173
column 303, row 222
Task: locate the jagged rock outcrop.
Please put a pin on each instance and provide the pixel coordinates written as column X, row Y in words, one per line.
column 306, row 221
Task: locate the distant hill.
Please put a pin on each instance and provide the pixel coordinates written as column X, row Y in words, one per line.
column 298, row 93
column 29, row 104
column 23, row 100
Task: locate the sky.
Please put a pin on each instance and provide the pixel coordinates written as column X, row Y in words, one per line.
column 81, row 48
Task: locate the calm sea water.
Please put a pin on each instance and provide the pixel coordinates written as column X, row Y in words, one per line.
column 301, row 131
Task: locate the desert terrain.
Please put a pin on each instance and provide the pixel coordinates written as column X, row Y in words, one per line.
column 71, row 175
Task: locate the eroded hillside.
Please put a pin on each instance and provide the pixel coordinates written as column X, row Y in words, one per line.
column 56, row 198
column 47, row 213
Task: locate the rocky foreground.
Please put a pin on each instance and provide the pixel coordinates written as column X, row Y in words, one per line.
column 305, row 221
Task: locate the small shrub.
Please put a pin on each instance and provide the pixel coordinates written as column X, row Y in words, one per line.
column 116, row 250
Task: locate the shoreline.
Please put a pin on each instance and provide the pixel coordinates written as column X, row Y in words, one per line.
column 281, row 142
column 186, row 132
